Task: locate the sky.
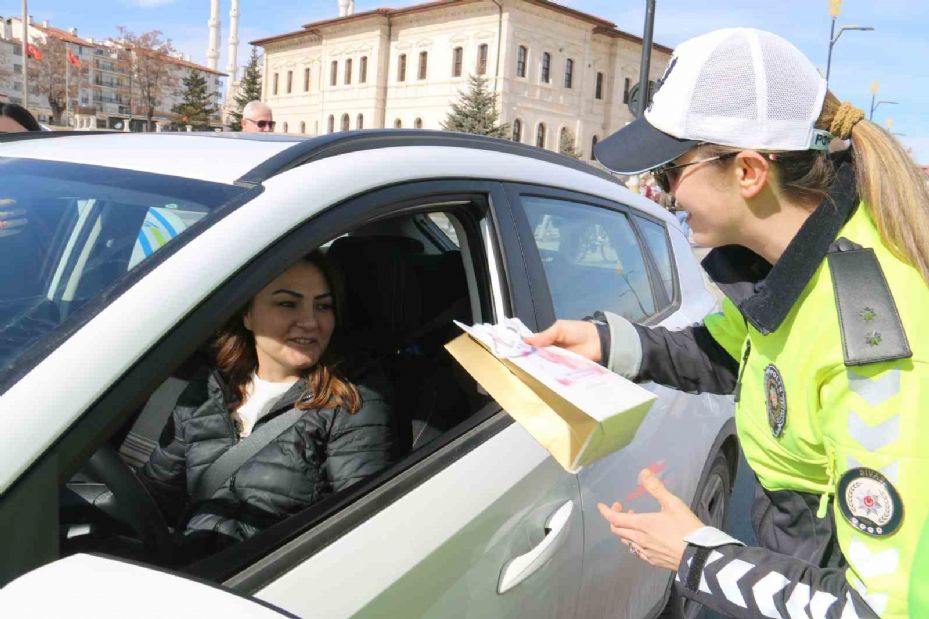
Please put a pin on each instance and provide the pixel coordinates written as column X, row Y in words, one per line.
column 895, row 54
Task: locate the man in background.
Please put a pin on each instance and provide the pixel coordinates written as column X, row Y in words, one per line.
column 257, row 118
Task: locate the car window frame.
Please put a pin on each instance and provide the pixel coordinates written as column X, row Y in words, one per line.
column 129, row 392
column 675, row 299
column 538, row 280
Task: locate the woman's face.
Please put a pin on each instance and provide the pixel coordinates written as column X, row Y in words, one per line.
column 711, row 198
column 292, row 320
column 8, row 125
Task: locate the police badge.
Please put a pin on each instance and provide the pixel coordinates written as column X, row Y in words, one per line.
column 775, row 400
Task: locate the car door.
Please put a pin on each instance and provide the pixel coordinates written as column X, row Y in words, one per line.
column 591, row 254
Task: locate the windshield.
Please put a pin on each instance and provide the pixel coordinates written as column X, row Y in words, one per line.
column 68, row 232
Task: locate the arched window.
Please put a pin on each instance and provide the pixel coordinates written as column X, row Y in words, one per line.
column 482, row 59
column 360, row 122
column 284, row 127
column 302, row 127
column 540, row 136
column 522, row 54
column 517, row 130
column 401, row 68
column 546, row 75
column 346, row 122
column 569, row 73
column 398, row 124
column 593, row 147
column 348, row 70
column 423, row 64
column 598, row 92
column 457, row 56
column 331, row 123
column 418, row 123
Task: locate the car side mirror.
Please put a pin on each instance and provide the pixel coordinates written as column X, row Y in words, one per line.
column 91, row 586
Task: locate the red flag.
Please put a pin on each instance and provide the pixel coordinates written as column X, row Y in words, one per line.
column 33, row 52
column 73, row 59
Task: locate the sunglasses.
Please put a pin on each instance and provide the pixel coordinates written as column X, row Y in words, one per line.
column 667, row 175
column 263, row 123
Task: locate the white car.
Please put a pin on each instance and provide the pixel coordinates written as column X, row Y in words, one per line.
column 123, row 253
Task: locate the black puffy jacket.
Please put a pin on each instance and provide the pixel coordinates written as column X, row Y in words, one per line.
column 326, row 450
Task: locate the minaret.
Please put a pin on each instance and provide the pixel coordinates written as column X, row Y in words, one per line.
column 346, row 7
column 232, row 65
column 212, row 52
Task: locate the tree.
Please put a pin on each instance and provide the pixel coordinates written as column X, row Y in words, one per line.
column 151, row 72
column 249, row 89
column 476, row 111
column 566, row 144
column 197, row 106
column 49, row 77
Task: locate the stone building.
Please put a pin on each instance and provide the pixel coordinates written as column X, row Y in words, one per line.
column 554, row 68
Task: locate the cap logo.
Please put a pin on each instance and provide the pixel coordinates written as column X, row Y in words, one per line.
column 820, row 140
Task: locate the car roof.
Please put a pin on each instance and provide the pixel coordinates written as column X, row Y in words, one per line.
column 246, row 158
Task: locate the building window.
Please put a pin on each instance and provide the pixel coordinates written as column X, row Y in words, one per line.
column 457, row 56
column 306, row 80
column 418, row 123
column 360, row 122
column 626, row 91
column 568, row 73
column 423, row 63
column 398, row 124
column 546, row 68
column 598, row 91
column 401, row 68
column 540, row 136
column 482, row 59
column 517, row 130
column 522, row 53
column 290, row 81
column 363, row 70
column 274, row 85
column 593, row 147
column 346, row 122
column 302, row 127
column 284, row 127
column 331, row 123
column 348, row 71
column 333, row 72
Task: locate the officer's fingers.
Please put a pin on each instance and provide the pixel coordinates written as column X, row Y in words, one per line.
column 548, row 337
column 629, row 536
column 653, row 485
column 7, row 201
column 620, row 519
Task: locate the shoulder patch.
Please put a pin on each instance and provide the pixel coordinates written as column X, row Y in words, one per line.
column 775, row 400
column 869, row 502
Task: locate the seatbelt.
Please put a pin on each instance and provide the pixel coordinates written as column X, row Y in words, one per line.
column 227, row 464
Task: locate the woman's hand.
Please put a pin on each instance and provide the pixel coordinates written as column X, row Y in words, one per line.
column 656, row 537
column 577, row 336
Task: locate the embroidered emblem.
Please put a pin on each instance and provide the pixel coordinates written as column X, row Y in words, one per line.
column 870, row 502
column 873, row 338
column 775, row 400
column 867, row 314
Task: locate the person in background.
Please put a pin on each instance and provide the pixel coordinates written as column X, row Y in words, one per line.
column 257, row 118
column 14, row 118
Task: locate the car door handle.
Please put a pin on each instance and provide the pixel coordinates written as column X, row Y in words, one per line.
column 520, row 568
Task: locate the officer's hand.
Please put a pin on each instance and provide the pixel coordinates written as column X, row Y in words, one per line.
column 575, row 335
column 656, row 537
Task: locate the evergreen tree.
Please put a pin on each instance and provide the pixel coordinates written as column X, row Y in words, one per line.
column 249, row 89
column 197, row 106
column 566, row 144
column 476, row 111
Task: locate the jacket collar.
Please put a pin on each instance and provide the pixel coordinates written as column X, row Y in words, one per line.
column 765, row 294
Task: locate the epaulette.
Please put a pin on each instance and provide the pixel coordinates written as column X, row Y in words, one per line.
column 868, row 319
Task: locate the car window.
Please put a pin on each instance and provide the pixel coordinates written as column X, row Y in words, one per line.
column 68, row 232
column 655, row 236
column 591, row 257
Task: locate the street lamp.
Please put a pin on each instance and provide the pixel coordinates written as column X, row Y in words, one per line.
column 835, row 7
column 875, row 86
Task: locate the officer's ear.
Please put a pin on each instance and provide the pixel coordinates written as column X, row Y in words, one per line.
column 752, row 172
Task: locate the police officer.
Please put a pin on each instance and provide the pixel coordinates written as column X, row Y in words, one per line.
column 822, row 337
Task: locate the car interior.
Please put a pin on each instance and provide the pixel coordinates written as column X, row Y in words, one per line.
column 406, row 280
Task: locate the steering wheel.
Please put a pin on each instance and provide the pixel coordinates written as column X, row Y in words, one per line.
column 133, row 505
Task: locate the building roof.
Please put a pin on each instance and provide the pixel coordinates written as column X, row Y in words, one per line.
column 64, row 35
column 601, row 26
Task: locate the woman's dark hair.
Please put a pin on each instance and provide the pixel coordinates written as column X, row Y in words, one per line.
column 234, row 354
column 21, row 115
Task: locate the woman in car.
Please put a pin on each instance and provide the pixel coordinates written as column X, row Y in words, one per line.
column 822, row 337
column 15, row 118
column 274, row 363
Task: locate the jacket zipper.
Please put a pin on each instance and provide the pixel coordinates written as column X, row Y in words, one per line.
column 738, row 382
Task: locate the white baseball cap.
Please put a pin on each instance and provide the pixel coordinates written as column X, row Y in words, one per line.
column 738, row 87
